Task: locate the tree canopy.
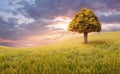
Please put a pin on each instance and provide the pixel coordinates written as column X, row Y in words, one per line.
column 85, row 21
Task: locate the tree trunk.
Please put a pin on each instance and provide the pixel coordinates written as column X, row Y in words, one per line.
column 85, row 37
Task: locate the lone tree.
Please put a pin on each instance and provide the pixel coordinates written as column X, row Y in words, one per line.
column 84, row 22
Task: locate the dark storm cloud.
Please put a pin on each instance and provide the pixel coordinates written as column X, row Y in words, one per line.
column 51, row 8
column 37, row 27
column 47, row 9
column 8, row 29
column 14, row 31
column 5, row 28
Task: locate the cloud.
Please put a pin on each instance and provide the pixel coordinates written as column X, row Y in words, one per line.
column 22, row 19
column 50, row 9
column 111, row 27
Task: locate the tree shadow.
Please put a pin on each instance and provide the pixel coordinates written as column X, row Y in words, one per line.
column 99, row 42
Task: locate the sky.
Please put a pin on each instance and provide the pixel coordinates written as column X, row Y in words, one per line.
column 40, row 22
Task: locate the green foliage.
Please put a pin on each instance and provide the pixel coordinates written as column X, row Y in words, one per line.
column 85, row 21
column 100, row 56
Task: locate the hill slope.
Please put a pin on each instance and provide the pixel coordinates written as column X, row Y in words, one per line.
column 100, row 56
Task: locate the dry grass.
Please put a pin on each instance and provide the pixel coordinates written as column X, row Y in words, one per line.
column 100, row 56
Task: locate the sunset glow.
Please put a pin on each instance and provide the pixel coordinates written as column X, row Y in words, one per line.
column 60, row 23
column 40, row 22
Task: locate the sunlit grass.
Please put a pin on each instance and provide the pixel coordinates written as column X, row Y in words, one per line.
column 100, row 56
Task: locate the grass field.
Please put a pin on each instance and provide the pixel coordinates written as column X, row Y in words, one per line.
column 100, row 56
